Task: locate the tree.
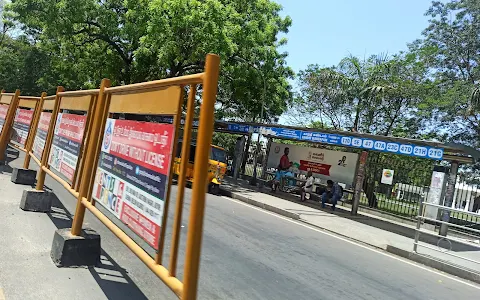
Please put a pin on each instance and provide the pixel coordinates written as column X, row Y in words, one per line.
column 78, row 31
column 226, row 141
column 451, row 49
column 22, row 65
column 375, row 96
column 243, row 33
column 138, row 40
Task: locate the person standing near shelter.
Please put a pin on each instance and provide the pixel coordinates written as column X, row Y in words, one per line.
column 332, row 194
column 282, row 169
column 285, row 163
column 308, row 187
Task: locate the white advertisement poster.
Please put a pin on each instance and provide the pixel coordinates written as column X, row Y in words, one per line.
column 387, row 176
column 326, row 164
column 435, row 194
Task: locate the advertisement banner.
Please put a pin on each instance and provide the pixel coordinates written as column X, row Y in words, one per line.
column 387, row 176
column 41, row 134
column 435, row 193
column 68, row 136
column 3, row 115
column 21, row 126
column 131, row 179
column 327, row 164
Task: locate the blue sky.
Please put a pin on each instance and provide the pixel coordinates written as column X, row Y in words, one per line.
column 325, row 31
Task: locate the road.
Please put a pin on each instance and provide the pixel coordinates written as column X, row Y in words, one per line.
column 251, row 254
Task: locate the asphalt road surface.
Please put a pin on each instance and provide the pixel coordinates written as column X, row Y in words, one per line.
column 251, row 254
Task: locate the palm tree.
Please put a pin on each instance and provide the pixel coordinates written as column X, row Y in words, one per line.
column 354, row 82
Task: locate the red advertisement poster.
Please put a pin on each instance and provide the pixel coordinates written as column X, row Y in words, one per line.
column 41, row 135
column 21, row 126
column 68, row 136
column 131, row 178
column 3, row 115
column 317, row 168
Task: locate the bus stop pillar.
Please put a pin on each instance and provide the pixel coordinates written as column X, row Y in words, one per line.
column 238, row 158
column 265, row 161
column 359, row 182
column 449, row 194
column 246, row 152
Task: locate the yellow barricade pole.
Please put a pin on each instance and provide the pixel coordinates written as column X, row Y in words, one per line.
column 48, row 142
column 33, row 130
column 187, row 133
column 88, row 168
column 7, row 126
column 161, row 97
column 47, row 105
column 197, row 207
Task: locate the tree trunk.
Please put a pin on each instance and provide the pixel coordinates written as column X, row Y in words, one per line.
column 357, row 117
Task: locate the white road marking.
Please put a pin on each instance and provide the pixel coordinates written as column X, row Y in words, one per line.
column 2, row 295
column 355, row 243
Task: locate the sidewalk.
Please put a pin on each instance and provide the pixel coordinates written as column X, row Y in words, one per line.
column 27, row 271
column 381, row 233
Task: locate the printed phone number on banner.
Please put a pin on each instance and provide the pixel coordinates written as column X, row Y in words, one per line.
column 131, row 178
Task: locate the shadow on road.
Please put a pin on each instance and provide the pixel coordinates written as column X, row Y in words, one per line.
column 111, row 278
column 10, row 155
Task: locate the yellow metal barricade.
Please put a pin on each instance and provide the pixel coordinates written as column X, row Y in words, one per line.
column 161, row 97
column 24, row 124
column 73, row 128
column 8, row 106
column 40, row 131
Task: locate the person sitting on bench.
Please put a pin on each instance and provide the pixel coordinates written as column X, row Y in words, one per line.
column 332, row 194
column 308, row 186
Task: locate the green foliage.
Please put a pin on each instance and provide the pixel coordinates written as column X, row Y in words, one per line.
column 226, row 141
column 450, row 49
column 377, row 95
column 22, row 64
column 140, row 40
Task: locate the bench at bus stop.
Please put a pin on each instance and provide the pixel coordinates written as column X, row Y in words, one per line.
column 317, row 193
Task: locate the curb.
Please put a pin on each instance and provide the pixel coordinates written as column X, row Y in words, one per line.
column 436, row 264
column 418, row 258
column 259, row 204
column 285, row 213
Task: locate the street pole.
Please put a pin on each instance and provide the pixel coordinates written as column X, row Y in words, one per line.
column 253, row 181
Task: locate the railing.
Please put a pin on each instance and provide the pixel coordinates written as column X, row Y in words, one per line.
column 422, row 219
column 83, row 123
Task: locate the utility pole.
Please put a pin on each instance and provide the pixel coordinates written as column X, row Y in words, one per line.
column 253, row 181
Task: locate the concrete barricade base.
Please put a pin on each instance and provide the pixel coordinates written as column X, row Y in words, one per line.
column 23, row 176
column 75, row 251
column 39, row 201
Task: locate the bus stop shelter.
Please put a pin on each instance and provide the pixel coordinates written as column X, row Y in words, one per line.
column 446, row 156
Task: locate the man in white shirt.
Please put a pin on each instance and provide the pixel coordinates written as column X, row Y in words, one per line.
column 308, row 187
